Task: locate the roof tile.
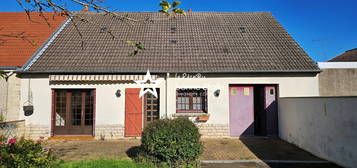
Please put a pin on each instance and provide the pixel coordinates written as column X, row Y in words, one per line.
column 198, row 42
column 15, row 52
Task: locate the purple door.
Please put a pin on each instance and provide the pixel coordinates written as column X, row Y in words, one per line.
column 270, row 107
column 241, row 110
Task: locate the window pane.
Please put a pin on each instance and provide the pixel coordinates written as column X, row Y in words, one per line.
column 89, row 100
column 76, row 108
column 60, row 108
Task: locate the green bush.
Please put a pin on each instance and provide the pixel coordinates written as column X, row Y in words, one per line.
column 25, row 154
column 171, row 142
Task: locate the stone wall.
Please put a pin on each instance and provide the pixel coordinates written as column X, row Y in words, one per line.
column 109, row 131
column 37, row 131
column 338, row 82
column 213, row 130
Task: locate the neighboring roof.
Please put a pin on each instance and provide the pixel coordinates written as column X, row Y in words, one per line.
column 348, row 56
column 14, row 52
column 206, row 42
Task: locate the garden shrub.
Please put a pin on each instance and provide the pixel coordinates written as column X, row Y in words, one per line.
column 171, row 142
column 25, row 154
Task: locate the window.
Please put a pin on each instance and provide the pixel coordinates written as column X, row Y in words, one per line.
column 151, row 107
column 271, row 90
column 191, row 100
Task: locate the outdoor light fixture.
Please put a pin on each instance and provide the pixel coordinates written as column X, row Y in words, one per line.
column 216, row 93
column 118, row 93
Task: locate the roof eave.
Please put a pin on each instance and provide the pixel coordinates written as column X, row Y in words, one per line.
column 160, row 71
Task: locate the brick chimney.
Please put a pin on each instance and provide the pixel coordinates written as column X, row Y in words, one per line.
column 85, row 8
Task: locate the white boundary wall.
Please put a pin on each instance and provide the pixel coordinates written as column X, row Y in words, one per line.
column 324, row 126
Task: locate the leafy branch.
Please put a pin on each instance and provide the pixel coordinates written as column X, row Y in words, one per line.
column 171, row 9
column 138, row 46
column 3, row 74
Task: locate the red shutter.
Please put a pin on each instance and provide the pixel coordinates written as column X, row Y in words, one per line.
column 133, row 112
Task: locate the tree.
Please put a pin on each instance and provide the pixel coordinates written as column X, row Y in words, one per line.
column 59, row 7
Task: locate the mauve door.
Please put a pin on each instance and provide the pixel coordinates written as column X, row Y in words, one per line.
column 271, row 110
column 241, row 110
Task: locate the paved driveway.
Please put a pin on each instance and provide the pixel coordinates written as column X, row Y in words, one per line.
column 275, row 165
column 263, row 152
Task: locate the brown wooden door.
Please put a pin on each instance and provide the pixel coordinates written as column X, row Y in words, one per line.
column 133, row 113
column 151, row 108
column 73, row 112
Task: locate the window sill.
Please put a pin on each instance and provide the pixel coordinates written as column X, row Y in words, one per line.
column 186, row 114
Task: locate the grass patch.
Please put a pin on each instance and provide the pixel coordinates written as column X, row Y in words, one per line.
column 101, row 164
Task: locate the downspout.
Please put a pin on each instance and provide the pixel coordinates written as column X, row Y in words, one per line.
column 166, row 80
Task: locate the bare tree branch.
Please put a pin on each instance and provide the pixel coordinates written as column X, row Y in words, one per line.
column 42, row 6
column 22, row 36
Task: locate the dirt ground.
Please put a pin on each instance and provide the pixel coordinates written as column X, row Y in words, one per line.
column 215, row 149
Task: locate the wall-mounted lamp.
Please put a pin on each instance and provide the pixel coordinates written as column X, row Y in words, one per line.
column 118, row 93
column 217, row 92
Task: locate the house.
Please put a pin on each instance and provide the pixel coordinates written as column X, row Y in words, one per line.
column 230, row 66
column 339, row 75
column 20, row 38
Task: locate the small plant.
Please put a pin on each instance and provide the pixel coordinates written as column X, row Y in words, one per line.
column 171, row 143
column 24, row 153
column 2, row 118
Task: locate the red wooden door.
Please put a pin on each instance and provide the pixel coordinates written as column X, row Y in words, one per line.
column 133, row 112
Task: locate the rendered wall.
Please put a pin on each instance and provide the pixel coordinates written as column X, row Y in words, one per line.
column 10, row 97
column 338, row 82
column 110, row 109
column 324, row 126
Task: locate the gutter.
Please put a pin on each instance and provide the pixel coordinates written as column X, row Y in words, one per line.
column 8, row 68
column 43, row 47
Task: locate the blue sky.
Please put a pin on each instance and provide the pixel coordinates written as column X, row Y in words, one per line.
column 324, row 28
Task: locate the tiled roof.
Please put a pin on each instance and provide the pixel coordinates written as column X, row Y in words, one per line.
column 198, row 42
column 348, row 56
column 14, row 52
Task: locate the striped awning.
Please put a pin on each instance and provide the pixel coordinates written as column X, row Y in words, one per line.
column 98, row 77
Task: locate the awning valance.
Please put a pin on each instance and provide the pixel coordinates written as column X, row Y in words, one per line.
column 67, row 78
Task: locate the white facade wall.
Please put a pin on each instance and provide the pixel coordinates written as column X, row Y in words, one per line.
column 10, row 97
column 324, row 126
column 110, row 109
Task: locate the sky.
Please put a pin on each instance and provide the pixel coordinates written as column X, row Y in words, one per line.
column 323, row 28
